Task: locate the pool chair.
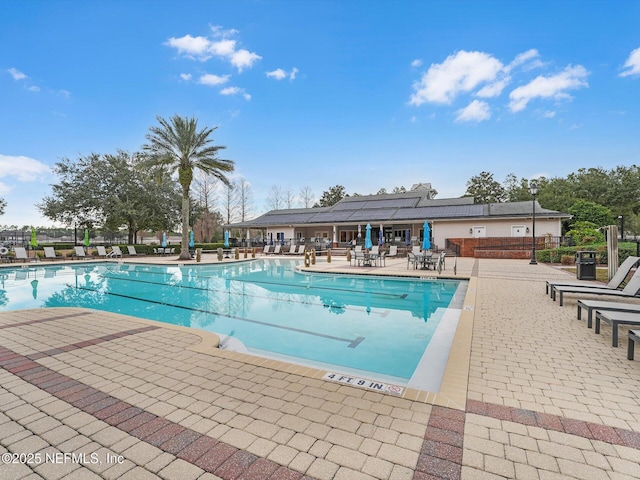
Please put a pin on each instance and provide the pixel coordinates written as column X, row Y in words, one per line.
column 276, row 250
column 614, row 283
column 21, row 254
column 79, row 253
column 115, row 251
column 301, row 249
column 265, row 250
column 102, row 252
column 632, row 289
column 50, row 254
column 591, row 305
column 615, row 319
column 132, row 251
column 292, row 250
column 393, row 251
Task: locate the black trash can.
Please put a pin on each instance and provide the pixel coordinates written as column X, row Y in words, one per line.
column 586, row 265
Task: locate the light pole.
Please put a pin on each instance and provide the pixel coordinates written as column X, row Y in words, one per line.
column 621, row 217
column 533, row 188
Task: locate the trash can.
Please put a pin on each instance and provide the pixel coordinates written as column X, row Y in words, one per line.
column 586, row 265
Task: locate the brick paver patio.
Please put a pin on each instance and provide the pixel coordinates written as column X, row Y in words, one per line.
column 86, row 394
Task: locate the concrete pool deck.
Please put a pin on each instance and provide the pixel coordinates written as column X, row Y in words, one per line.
column 529, row 393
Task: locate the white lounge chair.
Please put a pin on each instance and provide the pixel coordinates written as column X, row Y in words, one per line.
column 265, row 251
column 132, row 251
column 50, row 254
column 102, row 252
column 115, row 251
column 276, row 250
column 292, row 250
column 393, row 251
column 80, row 253
column 21, row 254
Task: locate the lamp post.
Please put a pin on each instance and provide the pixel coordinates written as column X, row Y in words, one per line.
column 533, row 188
column 621, row 217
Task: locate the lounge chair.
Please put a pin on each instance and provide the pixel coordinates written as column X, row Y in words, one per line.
column 591, row 305
column 265, row 251
column 393, row 251
column 615, row 282
column 21, row 254
column 614, row 319
column 79, row 253
column 292, row 250
column 630, row 290
column 301, row 249
column 132, row 251
column 115, row 251
column 102, row 252
column 276, row 250
column 50, row 254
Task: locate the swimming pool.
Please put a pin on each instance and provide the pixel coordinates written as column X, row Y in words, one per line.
column 372, row 325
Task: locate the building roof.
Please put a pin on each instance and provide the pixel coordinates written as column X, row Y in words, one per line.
column 397, row 208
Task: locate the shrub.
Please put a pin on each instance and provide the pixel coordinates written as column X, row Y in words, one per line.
column 568, row 260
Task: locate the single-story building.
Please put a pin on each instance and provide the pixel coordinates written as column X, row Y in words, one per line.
column 400, row 218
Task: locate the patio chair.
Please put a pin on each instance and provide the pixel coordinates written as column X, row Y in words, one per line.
column 50, row 254
column 133, row 252
column 292, row 250
column 412, row 259
column 615, row 319
column 632, row 289
column 276, row 250
column 393, row 251
column 102, row 252
column 115, row 251
column 301, row 249
column 79, row 253
column 591, row 305
column 415, row 249
column 265, row 251
column 21, row 254
column 615, row 282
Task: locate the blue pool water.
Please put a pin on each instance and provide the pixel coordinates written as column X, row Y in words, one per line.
column 377, row 324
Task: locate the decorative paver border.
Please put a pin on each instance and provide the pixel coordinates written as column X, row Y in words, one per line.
column 209, row 454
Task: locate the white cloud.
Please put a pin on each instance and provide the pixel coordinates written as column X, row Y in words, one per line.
column 416, row 63
column 494, row 89
column 33, row 88
column 221, row 46
column 280, row 74
column 17, row 74
column 213, row 80
column 476, row 111
column 22, row 168
column 235, row 91
column 528, row 60
column 185, row 76
column 192, row 47
column 632, row 64
column 459, row 73
column 554, row 86
column 549, row 114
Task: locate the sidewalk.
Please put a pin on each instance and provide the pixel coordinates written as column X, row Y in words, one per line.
column 86, row 394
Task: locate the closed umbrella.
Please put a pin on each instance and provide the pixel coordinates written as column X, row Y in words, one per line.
column 380, row 236
column 192, row 242
column 367, row 238
column 34, row 239
column 164, row 240
column 86, row 241
column 226, row 239
column 426, row 241
column 407, row 238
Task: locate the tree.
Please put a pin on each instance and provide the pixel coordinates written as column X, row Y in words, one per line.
column 484, row 189
column 245, row 199
column 332, row 196
column 289, row 197
column 178, row 145
column 306, row 197
column 399, row 189
column 3, row 205
column 131, row 194
column 585, row 211
column 275, row 199
column 230, row 203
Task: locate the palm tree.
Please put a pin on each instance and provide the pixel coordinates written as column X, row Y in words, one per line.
column 178, row 146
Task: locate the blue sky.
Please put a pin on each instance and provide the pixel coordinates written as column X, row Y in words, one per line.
column 366, row 94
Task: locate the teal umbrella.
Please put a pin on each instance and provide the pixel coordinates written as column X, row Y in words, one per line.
column 367, row 239
column 192, row 242
column 86, row 241
column 426, row 241
column 226, row 239
column 164, row 240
